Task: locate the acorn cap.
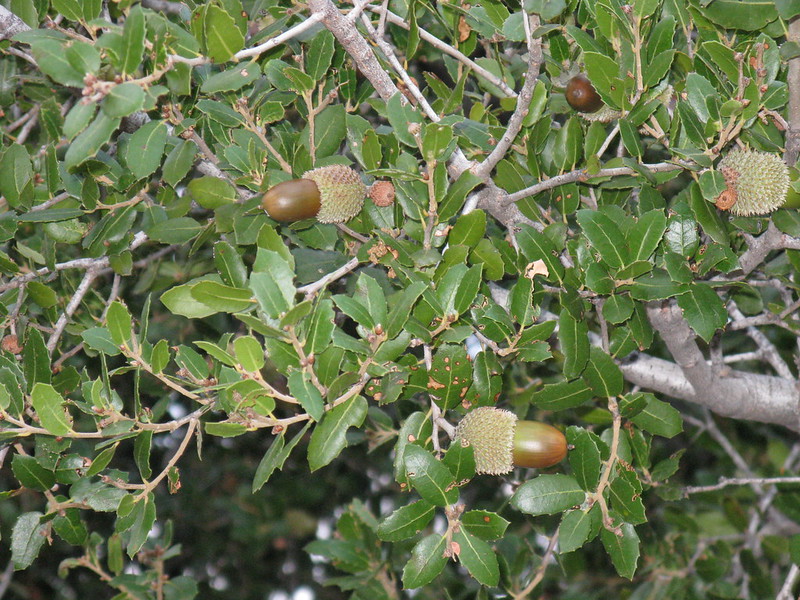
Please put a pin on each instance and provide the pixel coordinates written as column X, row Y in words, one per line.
column 490, row 432
column 757, row 182
column 341, row 192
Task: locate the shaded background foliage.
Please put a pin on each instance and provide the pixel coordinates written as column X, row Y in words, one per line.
column 151, row 309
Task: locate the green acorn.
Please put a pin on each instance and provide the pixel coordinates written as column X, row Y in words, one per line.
column 757, row 182
column 501, row 442
column 332, row 194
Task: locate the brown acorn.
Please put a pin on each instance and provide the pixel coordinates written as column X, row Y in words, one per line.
column 332, row 194
column 582, row 96
column 500, row 441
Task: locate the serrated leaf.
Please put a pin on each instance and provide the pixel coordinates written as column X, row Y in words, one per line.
column 548, row 494
column 118, row 321
column 141, row 453
column 703, row 309
column 426, row 562
column 627, row 501
column 659, row 418
column 575, row 529
column 320, row 327
column 145, row 148
column 573, row 336
column 646, row 234
column 49, row 407
column 469, row 229
column 329, row 436
column 605, row 237
column 223, row 37
column 584, row 457
column 401, row 309
column 485, row 524
column 478, row 558
column 307, row 394
column 89, row 142
column 623, row 549
column 276, row 456
column 460, row 459
column 537, row 246
column 407, row 521
column 563, row 395
column 274, row 286
column 31, row 474
column 27, row 538
column 429, row 477
column 231, row 79
column 602, row 374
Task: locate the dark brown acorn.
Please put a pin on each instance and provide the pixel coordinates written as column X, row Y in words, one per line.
column 500, row 441
column 292, row 200
column 582, row 96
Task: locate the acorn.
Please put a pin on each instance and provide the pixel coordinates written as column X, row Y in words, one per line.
column 501, row 442
column 332, row 194
column 756, row 182
column 582, row 96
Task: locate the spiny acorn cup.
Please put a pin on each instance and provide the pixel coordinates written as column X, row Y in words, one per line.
column 501, row 442
column 332, row 194
column 757, row 182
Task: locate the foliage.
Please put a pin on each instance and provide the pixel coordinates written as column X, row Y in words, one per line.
column 198, row 401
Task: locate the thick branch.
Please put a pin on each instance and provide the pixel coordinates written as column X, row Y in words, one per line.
column 10, row 24
column 730, row 393
column 793, row 79
column 758, row 247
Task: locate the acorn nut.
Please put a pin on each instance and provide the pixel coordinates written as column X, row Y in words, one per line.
column 332, row 194
column 500, row 441
column 756, row 182
column 582, row 96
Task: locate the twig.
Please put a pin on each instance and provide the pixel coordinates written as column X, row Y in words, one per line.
column 523, row 102
column 785, row 592
column 448, row 49
column 537, row 578
column 74, row 303
column 767, row 348
column 150, row 486
column 729, row 481
column 312, row 288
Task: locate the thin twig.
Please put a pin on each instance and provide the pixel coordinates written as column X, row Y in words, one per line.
column 729, row 481
column 312, row 288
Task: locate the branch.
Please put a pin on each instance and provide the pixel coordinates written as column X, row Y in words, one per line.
column 729, row 481
column 793, row 80
column 535, row 60
column 759, row 247
column 10, row 24
column 730, row 393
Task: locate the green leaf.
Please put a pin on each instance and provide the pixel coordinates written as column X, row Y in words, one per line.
column 537, row 246
column 618, row 309
column 450, row 375
column 123, row 100
column 432, row 480
column 605, row 237
column 99, row 338
column 307, row 394
column 43, row 295
column 211, row 192
column 223, row 37
column 70, row 528
column 478, row 558
column 748, row 15
column 225, row 430
column 329, row 437
column 656, row 285
column 133, row 38
column 320, row 53
column 435, row 140
column 118, row 320
column 329, row 130
column 469, row 229
column 16, row 184
column 703, row 309
column 222, row 297
column 27, row 538
column 178, row 162
column 354, row 309
column 230, row 265
column 49, row 407
column 548, row 494
column 273, row 286
column 31, row 474
column 141, row 453
column 180, row 301
column 623, row 549
column 426, row 562
column 89, row 142
column 460, row 459
column 276, row 456
column 646, row 234
column 145, row 149
column 231, row 79
column 407, row 521
column 659, row 418
column 484, row 524
column 681, row 236
column 563, row 395
column 320, row 328
column 573, row 336
column 144, row 516
column 401, row 309
column 584, row 457
column 602, row 374
column 627, row 501
column 249, row 353
column 576, row 528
